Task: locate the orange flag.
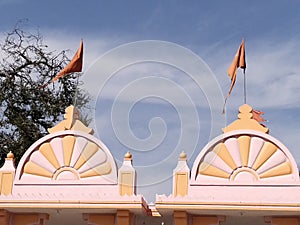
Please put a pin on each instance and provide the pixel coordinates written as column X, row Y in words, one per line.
column 74, row 66
column 257, row 116
column 239, row 61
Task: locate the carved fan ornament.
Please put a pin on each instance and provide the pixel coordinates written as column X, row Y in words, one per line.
column 69, row 154
column 68, row 158
column 245, row 158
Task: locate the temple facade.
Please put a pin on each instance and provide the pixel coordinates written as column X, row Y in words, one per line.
column 242, row 177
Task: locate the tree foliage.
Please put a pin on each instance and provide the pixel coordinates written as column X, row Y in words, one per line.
column 26, row 109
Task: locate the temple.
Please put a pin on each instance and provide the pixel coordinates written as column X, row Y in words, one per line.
column 69, row 177
column 244, row 176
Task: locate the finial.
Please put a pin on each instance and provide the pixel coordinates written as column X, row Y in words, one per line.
column 10, row 155
column 71, row 122
column 182, row 156
column 245, row 121
column 245, row 112
column 127, row 156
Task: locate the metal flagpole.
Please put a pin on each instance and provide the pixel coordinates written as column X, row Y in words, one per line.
column 76, row 91
column 245, row 99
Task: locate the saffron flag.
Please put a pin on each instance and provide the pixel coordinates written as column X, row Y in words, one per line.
column 257, row 115
column 239, row 61
column 74, row 66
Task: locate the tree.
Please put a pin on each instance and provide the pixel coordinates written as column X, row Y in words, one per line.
column 26, row 109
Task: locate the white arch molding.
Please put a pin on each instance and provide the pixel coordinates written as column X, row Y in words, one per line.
column 67, row 157
column 244, row 157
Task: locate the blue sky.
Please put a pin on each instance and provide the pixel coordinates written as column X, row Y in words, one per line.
column 212, row 31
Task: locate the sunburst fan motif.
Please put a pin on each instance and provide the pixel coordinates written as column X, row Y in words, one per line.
column 68, row 158
column 243, row 158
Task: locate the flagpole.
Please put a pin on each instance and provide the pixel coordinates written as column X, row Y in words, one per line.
column 76, row 90
column 245, row 98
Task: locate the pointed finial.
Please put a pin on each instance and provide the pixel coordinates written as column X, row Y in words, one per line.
column 127, row 156
column 182, row 156
column 10, row 155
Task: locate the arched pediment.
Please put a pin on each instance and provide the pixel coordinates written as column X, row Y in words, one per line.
column 67, row 157
column 244, row 157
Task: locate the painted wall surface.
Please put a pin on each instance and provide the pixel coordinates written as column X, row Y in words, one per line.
column 241, row 220
column 63, row 217
column 147, row 220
